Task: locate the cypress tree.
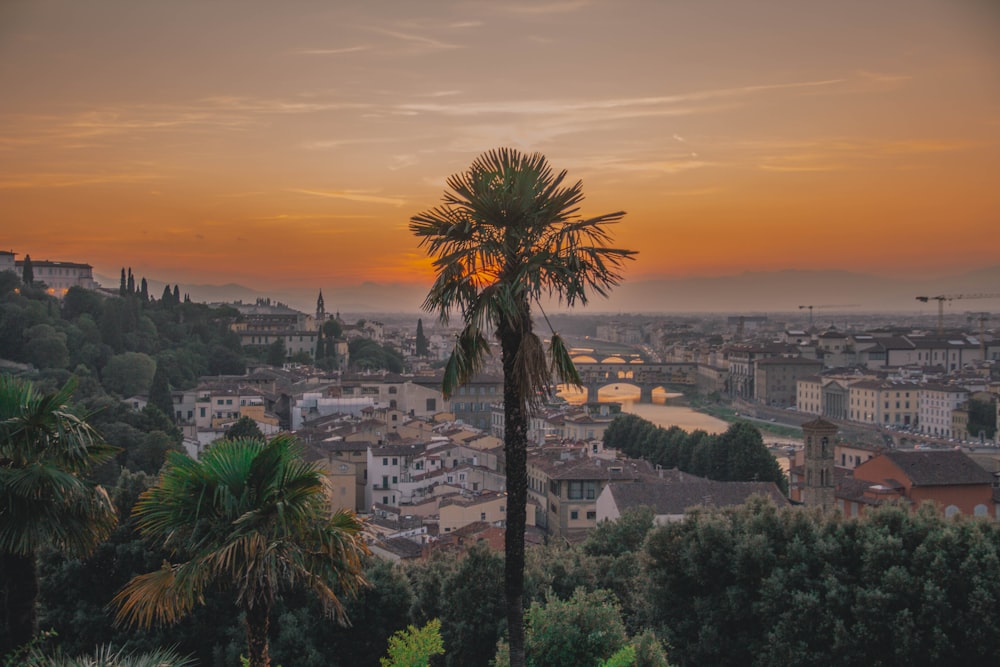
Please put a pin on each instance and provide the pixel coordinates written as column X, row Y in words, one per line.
column 167, row 296
column 28, row 273
column 159, row 391
column 177, row 294
column 423, row 346
column 131, row 281
column 320, row 348
column 123, row 288
column 144, row 290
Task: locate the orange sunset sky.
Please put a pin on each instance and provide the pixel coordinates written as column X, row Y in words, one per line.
column 287, row 144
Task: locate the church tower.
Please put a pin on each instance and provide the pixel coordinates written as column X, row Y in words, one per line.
column 320, row 308
column 819, row 485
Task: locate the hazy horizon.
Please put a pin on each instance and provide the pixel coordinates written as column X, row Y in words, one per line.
column 747, row 293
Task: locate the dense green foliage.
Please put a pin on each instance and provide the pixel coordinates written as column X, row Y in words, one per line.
column 758, row 586
column 751, row 585
column 982, row 418
column 738, row 455
column 367, row 354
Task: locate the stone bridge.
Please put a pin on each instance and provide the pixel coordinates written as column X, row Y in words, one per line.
column 646, row 377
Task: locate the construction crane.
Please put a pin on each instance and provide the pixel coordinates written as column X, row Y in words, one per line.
column 941, row 298
column 849, row 305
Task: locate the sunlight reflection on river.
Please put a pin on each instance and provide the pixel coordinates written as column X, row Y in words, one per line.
column 660, row 412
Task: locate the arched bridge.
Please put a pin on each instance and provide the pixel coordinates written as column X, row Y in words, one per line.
column 647, row 377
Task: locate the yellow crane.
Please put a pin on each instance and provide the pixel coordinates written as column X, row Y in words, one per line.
column 941, row 298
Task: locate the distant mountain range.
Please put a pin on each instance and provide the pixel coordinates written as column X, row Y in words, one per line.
column 750, row 292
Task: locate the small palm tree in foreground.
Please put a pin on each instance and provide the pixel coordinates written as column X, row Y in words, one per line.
column 250, row 516
column 507, row 234
column 109, row 657
column 45, row 451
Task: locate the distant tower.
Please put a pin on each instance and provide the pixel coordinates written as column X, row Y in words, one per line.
column 320, row 308
column 819, row 485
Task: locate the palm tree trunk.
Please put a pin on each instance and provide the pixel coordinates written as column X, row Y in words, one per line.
column 19, row 590
column 258, row 620
column 516, row 454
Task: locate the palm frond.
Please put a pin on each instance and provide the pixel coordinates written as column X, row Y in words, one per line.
column 466, row 358
column 531, row 375
column 562, row 365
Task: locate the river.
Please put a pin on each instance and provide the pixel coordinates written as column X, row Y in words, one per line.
column 660, row 412
column 666, row 414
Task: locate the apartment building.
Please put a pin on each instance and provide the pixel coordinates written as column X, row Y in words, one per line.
column 937, row 402
column 775, row 379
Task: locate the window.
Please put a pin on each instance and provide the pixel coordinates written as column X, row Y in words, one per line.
column 385, row 461
column 591, row 516
column 395, row 461
column 385, row 481
column 395, row 480
column 431, row 404
column 574, row 515
column 581, row 490
column 482, row 516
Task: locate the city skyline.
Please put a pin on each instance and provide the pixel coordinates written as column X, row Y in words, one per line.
column 287, row 146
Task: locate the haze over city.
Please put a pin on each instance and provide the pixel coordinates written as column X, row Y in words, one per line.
column 283, row 147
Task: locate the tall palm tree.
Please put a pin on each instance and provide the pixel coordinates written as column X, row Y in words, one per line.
column 507, row 234
column 45, row 449
column 251, row 516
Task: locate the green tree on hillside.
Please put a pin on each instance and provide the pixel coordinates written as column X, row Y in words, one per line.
column 507, row 234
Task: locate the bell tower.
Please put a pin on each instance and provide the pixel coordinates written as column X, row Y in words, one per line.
column 320, row 308
column 819, row 485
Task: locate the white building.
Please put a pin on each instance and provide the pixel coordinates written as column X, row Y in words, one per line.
column 936, row 403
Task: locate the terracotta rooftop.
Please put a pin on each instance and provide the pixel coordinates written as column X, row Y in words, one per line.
column 939, row 467
column 676, row 498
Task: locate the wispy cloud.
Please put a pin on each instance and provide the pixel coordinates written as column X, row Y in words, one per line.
column 418, row 42
column 839, row 154
column 69, row 180
column 365, row 196
column 540, row 8
column 332, row 52
column 292, row 217
column 543, row 107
